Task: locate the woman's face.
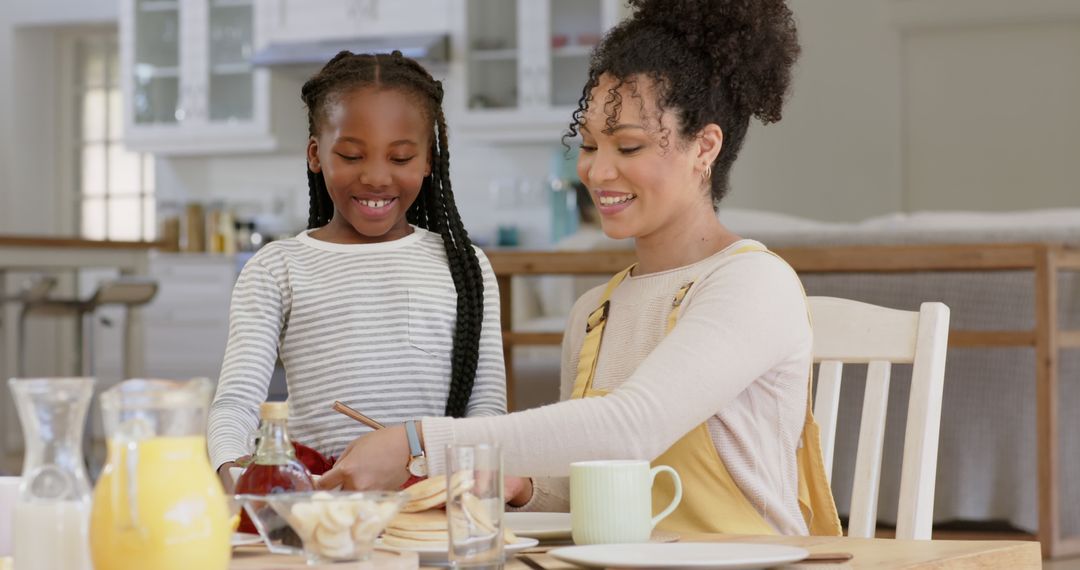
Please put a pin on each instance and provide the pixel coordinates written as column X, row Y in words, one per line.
column 642, row 176
column 372, row 149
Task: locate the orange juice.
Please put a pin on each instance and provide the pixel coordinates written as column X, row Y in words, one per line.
column 172, row 516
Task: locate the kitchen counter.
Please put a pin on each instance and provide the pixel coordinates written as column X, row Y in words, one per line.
column 73, row 242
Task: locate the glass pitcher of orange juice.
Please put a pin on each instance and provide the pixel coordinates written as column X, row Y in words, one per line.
column 158, row 503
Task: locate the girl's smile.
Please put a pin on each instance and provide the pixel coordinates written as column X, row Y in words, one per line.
column 375, row 207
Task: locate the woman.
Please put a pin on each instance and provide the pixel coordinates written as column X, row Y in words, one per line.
column 702, row 350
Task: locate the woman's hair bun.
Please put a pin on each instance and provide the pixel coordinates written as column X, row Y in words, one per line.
column 750, row 45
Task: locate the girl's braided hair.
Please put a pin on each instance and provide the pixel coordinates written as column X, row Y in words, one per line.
column 434, row 208
column 710, row 61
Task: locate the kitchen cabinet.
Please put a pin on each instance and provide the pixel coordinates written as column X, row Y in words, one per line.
column 187, row 324
column 320, row 20
column 187, row 80
column 523, row 64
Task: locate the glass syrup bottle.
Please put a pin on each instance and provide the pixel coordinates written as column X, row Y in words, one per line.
column 275, row 468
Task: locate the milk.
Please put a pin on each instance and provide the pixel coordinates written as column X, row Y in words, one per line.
column 52, row 535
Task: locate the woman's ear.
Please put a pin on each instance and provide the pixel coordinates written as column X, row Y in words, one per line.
column 313, row 155
column 710, row 142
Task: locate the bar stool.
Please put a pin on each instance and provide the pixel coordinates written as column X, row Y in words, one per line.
column 128, row 292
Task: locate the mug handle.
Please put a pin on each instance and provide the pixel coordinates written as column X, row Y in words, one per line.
column 678, row 491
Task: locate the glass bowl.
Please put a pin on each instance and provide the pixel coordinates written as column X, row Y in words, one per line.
column 324, row 526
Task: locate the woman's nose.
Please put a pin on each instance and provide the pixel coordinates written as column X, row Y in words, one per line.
column 601, row 169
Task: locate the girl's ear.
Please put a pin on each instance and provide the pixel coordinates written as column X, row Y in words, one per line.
column 710, row 141
column 313, row 155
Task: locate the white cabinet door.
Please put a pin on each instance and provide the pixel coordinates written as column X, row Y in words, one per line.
column 187, row 323
column 315, row 20
column 189, row 87
column 310, row 20
column 525, row 63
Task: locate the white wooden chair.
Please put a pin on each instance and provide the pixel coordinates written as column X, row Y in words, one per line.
column 851, row 332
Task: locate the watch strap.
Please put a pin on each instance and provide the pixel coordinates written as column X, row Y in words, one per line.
column 414, row 440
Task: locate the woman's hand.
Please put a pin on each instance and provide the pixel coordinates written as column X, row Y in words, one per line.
column 374, row 461
column 519, row 490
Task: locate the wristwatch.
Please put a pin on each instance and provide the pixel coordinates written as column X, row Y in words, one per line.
column 417, row 461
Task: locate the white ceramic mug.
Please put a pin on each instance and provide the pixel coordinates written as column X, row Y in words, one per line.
column 9, row 493
column 611, row 501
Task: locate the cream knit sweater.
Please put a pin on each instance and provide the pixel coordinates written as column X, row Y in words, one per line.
column 738, row 359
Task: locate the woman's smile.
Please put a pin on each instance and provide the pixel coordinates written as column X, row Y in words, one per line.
column 611, row 203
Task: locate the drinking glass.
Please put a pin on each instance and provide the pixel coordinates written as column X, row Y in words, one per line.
column 474, row 505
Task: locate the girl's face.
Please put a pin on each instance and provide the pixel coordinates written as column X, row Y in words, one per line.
column 373, row 150
column 642, row 176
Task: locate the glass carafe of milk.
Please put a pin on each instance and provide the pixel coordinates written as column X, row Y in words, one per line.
column 52, row 512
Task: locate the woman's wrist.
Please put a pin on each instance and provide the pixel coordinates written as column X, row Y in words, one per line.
column 523, row 495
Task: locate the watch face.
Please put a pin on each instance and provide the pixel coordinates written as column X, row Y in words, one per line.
column 418, row 466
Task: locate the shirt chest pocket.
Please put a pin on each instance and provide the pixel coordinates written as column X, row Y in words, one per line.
column 432, row 317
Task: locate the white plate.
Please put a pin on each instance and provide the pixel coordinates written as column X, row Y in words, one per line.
column 437, row 555
column 726, row 555
column 543, row 526
column 245, row 538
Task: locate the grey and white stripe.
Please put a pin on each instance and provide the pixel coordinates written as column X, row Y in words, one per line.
column 371, row 325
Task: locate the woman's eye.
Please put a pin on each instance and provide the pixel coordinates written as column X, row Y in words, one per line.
column 403, row 160
column 630, row 150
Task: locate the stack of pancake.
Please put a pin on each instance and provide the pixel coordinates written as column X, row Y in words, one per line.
column 422, row 522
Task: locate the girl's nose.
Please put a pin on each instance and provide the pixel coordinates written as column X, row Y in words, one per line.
column 375, row 174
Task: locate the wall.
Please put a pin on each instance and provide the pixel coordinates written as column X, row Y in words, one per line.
column 836, row 153
column 909, row 105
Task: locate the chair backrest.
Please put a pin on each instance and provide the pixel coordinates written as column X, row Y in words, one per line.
column 851, row 332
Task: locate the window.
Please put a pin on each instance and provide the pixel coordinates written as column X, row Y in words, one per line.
column 115, row 187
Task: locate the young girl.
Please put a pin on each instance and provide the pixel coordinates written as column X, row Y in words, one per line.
column 702, row 350
column 383, row 303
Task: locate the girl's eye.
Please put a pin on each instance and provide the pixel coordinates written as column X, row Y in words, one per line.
column 587, row 148
column 348, row 158
column 402, row 160
column 630, row 150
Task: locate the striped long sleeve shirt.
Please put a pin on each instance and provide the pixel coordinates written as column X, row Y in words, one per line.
column 371, row 325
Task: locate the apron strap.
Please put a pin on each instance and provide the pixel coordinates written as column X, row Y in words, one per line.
column 594, row 333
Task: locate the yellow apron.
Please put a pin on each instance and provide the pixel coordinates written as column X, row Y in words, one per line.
column 712, row 502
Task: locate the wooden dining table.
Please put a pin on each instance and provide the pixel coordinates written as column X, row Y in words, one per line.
column 874, row 553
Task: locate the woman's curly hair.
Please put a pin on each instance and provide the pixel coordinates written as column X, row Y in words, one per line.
column 709, row 61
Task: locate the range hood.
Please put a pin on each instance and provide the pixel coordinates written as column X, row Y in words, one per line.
column 428, row 49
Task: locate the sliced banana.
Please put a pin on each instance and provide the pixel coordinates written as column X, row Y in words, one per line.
column 337, row 516
column 305, row 516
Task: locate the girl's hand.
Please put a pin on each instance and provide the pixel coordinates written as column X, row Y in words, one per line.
column 518, row 490
column 374, row 461
column 226, row 477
